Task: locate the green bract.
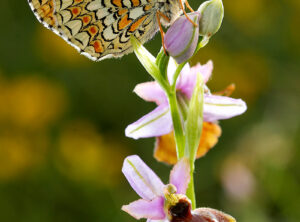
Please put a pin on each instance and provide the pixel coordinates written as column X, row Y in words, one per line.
column 148, row 61
column 194, row 121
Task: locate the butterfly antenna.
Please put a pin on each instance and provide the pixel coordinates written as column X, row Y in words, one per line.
column 188, row 6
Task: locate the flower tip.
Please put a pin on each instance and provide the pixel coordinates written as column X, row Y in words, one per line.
column 128, row 209
column 132, row 157
column 205, row 70
column 125, row 208
column 128, row 133
column 129, row 160
column 210, row 64
column 243, row 106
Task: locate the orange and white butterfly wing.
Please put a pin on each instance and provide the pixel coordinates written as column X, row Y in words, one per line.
column 45, row 12
column 98, row 28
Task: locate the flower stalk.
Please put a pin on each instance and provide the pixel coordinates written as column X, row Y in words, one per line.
column 194, row 124
column 190, row 192
column 177, row 124
column 184, row 103
column 177, row 120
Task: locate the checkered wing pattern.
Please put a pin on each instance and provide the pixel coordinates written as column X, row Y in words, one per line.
column 98, row 28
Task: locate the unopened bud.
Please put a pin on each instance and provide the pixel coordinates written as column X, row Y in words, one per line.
column 212, row 13
column 182, row 37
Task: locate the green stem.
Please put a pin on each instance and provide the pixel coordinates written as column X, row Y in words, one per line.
column 191, row 189
column 176, row 119
column 177, row 125
column 179, row 132
column 176, row 74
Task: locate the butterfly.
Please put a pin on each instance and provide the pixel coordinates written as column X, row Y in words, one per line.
column 101, row 29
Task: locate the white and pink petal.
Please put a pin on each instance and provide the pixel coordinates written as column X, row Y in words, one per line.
column 141, row 178
column 205, row 70
column 222, row 107
column 180, row 175
column 153, row 209
column 156, row 123
column 151, row 92
column 188, row 77
column 165, row 220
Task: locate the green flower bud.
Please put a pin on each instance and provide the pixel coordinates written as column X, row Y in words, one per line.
column 212, row 13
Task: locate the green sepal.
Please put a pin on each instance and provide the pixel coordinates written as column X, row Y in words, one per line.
column 148, row 61
column 162, row 61
column 203, row 41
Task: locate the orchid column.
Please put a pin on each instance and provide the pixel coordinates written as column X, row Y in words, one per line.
column 184, row 102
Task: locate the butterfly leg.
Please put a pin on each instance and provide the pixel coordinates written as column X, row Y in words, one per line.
column 188, row 6
column 184, row 12
column 158, row 14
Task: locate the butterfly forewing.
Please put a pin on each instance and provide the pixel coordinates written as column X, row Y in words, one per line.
column 44, row 11
column 98, row 28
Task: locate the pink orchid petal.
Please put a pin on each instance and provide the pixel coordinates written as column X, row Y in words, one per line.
column 141, row 178
column 156, row 123
column 180, row 175
column 188, row 78
column 151, row 92
column 153, row 209
column 172, row 66
column 222, row 107
column 205, row 70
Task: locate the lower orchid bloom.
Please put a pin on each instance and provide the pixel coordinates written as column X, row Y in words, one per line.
column 159, row 121
column 165, row 202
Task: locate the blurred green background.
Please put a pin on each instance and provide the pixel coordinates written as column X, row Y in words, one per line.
column 62, row 120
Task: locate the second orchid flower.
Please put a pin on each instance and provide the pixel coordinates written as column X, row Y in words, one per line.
column 159, row 121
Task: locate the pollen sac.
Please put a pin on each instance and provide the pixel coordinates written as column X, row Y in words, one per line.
column 212, row 13
column 182, row 37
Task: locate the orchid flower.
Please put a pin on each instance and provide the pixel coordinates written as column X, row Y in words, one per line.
column 159, row 121
column 164, row 202
column 151, row 189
